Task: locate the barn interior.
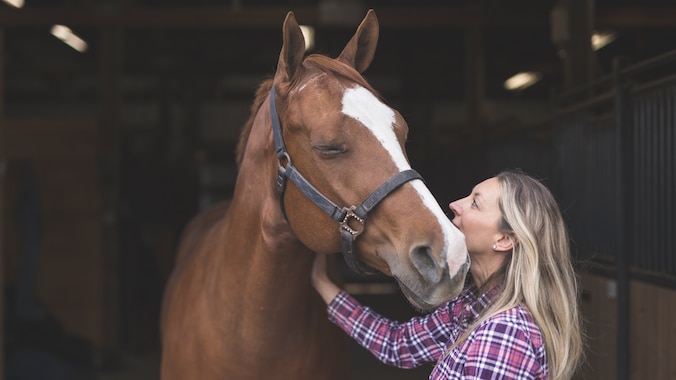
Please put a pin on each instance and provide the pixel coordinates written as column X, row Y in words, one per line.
column 107, row 150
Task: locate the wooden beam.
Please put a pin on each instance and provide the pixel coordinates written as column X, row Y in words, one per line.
column 201, row 17
column 272, row 16
column 628, row 17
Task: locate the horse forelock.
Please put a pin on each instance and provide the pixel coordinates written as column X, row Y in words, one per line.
column 321, row 62
column 339, row 69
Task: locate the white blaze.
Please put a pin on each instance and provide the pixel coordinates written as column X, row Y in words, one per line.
column 361, row 105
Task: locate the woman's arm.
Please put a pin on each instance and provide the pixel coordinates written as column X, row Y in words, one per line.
column 405, row 345
column 320, row 279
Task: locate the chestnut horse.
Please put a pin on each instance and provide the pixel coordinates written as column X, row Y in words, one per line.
column 239, row 304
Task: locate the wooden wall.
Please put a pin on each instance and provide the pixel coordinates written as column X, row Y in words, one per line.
column 2, row 206
column 652, row 323
column 599, row 308
column 653, row 332
column 64, row 155
column 2, row 263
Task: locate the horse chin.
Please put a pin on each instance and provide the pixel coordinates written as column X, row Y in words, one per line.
column 432, row 298
column 413, row 299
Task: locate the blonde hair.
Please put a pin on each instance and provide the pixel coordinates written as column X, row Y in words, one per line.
column 539, row 272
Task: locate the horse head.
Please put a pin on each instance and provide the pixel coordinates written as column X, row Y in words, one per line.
column 347, row 147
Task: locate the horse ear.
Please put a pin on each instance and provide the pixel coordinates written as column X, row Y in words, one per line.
column 360, row 50
column 293, row 49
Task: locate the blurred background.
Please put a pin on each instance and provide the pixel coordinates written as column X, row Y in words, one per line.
column 119, row 120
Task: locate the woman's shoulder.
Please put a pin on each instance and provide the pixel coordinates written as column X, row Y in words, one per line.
column 512, row 340
column 515, row 322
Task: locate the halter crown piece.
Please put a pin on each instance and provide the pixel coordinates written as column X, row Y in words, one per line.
column 347, row 217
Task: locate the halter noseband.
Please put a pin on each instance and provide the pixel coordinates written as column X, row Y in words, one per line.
column 351, row 219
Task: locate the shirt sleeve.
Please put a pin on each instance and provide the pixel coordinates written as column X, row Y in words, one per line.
column 405, row 345
column 502, row 349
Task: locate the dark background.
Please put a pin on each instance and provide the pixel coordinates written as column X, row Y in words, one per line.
column 161, row 94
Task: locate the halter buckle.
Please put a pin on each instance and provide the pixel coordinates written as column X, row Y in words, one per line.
column 350, row 216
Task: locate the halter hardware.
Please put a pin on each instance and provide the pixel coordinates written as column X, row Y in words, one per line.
column 350, row 215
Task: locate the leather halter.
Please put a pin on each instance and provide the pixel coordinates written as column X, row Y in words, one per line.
column 347, row 217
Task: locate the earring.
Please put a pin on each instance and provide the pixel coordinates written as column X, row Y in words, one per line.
column 495, row 247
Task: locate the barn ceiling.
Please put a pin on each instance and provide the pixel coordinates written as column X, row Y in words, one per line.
column 421, row 41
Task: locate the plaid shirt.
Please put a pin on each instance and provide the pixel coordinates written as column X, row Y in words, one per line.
column 508, row 345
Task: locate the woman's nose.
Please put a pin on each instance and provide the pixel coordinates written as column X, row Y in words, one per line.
column 454, row 206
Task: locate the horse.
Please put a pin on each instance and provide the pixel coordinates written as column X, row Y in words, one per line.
column 321, row 170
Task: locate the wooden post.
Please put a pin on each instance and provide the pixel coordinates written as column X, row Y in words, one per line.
column 3, row 212
column 624, row 240
column 3, row 166
column 572, row 27
column 474, row 81
column 109, row 134
column 2, row 81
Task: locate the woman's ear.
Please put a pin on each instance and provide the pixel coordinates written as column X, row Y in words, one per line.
column 504, row 243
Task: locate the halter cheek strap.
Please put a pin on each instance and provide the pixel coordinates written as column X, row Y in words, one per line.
column 351, row 219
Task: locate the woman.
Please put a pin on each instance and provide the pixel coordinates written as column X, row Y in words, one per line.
column 517, row 318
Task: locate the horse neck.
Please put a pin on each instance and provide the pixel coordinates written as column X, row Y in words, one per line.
column 275, row 266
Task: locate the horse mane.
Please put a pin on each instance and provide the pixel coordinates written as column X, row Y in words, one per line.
column 323, row 63
column 261, row 94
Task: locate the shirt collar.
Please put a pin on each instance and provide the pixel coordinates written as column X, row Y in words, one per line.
column 476, row 303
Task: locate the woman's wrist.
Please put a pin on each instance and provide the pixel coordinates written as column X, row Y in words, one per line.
column 327, row 290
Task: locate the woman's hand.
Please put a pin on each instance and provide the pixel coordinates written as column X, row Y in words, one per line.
column 320, row 279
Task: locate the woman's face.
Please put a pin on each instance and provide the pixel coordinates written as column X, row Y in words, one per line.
column 478, row 216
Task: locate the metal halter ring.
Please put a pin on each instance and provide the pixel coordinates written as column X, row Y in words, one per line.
column 345, row 224
column 283, row 156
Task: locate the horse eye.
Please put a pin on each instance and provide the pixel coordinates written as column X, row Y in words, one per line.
column 329, row 150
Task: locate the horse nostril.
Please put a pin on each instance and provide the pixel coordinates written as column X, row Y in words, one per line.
column 426, row 265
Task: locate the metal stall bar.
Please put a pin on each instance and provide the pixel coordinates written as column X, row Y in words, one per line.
column 623, row 240
column 670, row 180
column 654, row 199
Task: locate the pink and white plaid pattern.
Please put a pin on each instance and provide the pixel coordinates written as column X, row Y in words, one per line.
column 507, row 346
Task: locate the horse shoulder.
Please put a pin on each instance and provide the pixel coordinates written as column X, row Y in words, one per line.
column 193, row 234
column 198, row 227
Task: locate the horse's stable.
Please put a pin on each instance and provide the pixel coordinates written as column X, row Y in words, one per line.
column 113, row 138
